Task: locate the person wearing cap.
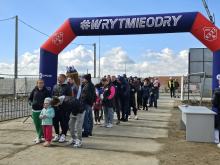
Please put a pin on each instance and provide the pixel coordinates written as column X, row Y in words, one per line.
column 108, row 102
column 87, row 98
column 47, row 114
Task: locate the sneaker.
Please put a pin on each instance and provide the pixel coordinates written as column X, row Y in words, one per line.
column 109, row 126
column 103, row 125
column 96, row 123
column 99, row 123
column 136, row 118
column 129, row 117
column 218, row 145
column 78, row 144
column 56, row 138
column 62, row 138
column 72, row 142
column 37, row 141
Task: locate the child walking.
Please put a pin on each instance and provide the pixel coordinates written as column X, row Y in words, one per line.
column 47, row 114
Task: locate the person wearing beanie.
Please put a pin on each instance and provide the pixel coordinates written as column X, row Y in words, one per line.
column 47, row 114
column 87, row 98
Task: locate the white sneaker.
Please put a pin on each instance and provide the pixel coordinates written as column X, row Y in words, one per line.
column 62, row 138
column 136, row 118
column 78, row 144
column 72, row 142
column 99, row 123
column 218, row 145
column 56, row 138
column 37, row 141
column 109, row 126
column 129, row 117
column 103, row 125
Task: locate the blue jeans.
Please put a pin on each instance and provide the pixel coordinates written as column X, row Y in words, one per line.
column 153, row 100
column 109, row 114
column 88, row 120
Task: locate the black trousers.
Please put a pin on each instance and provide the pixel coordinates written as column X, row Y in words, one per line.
column 139, row 100
column 172, row 92
column 97, row 114
column 125, row 108
column 217, row 124
column 118, row 107
column 61, row 119
column 133, row 106
column 145, row 101
column 153, row 100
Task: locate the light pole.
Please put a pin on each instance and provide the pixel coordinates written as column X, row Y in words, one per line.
column 99, row 60
column 16, row 55
column 94, row 60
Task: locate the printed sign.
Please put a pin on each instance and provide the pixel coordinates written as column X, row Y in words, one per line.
column 210, row 33
column 57, row 38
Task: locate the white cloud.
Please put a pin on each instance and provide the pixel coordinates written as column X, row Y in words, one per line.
column 114, row 61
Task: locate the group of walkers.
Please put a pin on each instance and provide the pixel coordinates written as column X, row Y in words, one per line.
column 71, row 104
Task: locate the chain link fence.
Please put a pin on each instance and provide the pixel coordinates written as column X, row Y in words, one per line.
column 14, row 95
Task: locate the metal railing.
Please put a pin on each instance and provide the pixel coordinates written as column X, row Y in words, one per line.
column 194, row 90
column 14, row 95
column 13, row 108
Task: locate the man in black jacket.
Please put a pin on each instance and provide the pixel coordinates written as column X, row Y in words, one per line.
column 117, row 105
column 132, row 99
column 87, row 98
column 74, row 107
column 124, row 96
column 61, row 114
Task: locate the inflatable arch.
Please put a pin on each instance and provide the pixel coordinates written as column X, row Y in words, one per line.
column 193, row 22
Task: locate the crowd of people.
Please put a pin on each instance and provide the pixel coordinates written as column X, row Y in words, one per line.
column 74, row 100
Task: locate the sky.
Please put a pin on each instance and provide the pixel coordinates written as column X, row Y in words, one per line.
column 139, row 55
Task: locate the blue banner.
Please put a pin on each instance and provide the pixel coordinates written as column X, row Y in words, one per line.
column 48, row 68
column 139, row 24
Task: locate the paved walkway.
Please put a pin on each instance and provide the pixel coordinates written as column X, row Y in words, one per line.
column 133, row 142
